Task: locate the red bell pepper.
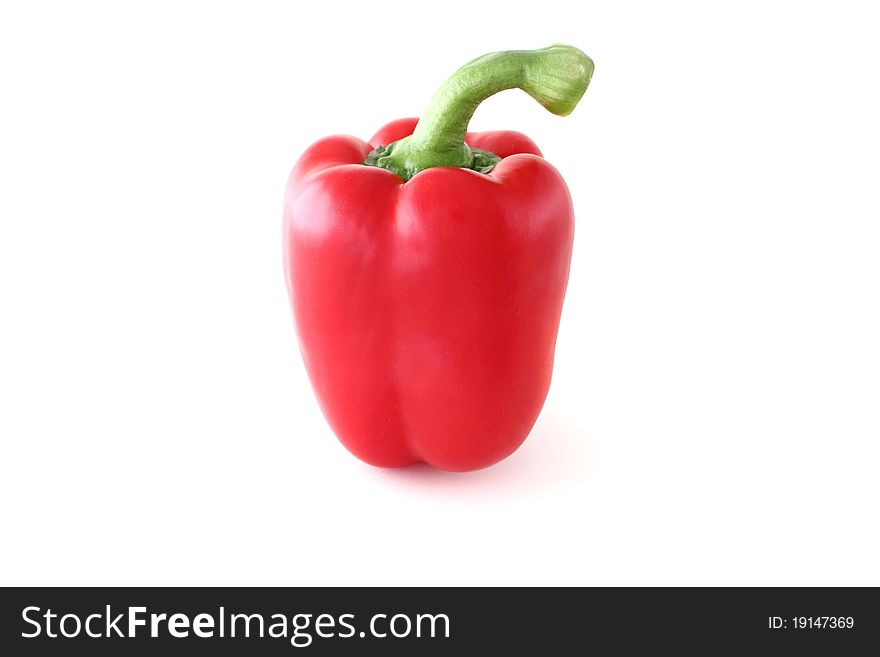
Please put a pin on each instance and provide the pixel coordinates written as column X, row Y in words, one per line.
column 426, row 270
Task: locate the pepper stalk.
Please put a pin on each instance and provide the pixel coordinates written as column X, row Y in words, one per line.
column 556, row 76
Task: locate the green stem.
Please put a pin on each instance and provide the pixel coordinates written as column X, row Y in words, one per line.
column 556, row 77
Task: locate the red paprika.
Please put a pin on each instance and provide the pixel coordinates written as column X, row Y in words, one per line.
column 427, row 268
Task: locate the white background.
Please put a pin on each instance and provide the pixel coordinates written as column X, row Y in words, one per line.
column 714, row 415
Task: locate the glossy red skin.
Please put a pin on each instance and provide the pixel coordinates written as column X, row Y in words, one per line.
column 427, row 311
